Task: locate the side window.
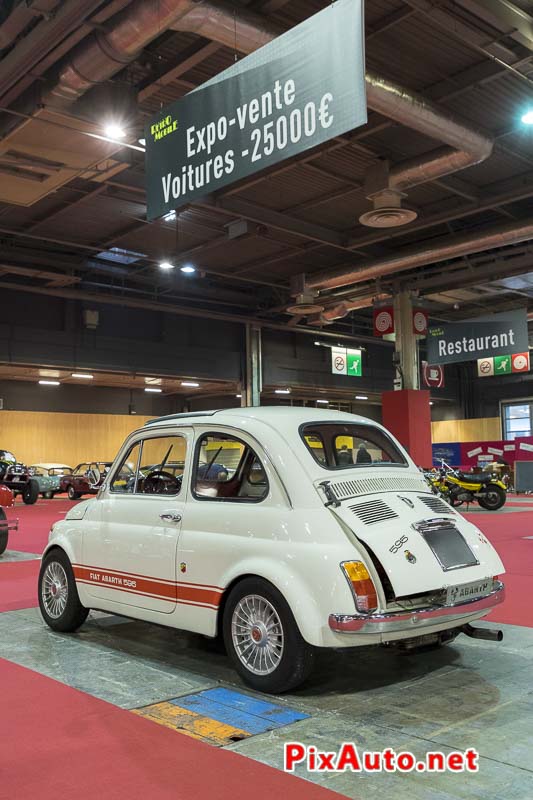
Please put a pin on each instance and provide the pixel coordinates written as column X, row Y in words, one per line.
column 124, row 478
column 162, row 465
column 315, row 441
column 81, row 469
column 228, row 469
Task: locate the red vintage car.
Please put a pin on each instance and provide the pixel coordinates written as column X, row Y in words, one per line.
column 85, row 479
column 7, row 500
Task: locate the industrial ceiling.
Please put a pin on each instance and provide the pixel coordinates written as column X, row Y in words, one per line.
column 447, row 84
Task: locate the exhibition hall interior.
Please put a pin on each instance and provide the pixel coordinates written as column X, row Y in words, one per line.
column 266, row 401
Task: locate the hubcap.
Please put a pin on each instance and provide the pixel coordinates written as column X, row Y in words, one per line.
column 257, row 634
column 54, row 589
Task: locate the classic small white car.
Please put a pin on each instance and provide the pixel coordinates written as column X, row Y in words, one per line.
column 282, row 530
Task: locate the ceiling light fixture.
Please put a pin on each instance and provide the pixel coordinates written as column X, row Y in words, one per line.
column 188, row 269
column 282, row 391
column 114, row 131
column 238, row 395
column 84, row 375
column 192, row 384
column 166, row 265
column 49, row 383
column 431, row 402
column 170, row 217
column 527, row 118
column 322, row 401
column 152, row 389
column 361, row 397
column 142, row 142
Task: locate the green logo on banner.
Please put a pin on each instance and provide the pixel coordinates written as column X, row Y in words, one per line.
column 354, row 363
column 502, row 365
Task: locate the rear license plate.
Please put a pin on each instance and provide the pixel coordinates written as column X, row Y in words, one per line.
column 468, row 591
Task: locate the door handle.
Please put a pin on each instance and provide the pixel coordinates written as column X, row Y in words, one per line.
column 169, row 517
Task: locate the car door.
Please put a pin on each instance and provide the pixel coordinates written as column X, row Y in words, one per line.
column 130, row 555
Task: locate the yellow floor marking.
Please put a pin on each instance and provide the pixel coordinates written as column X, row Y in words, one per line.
column 192, row 724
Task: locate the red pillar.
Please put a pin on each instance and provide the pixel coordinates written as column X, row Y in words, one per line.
column 406, row 414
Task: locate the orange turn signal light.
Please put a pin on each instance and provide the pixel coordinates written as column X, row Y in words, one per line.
column 364, row 591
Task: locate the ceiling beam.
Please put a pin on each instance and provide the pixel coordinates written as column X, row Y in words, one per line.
column 185, row 61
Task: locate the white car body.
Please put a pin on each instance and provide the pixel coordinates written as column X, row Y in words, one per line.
column 129, row 560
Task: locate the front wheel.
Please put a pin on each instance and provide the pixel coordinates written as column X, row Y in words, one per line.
column 58, row 596
column 3, row 534
column 493, row 498
column 31, row 492
column 262, row 638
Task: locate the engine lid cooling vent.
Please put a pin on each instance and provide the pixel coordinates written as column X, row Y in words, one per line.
column 353, row 488
column 435, row 504
column 373, row 511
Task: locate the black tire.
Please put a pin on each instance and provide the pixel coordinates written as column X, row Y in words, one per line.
column 48, row 495
column 72, row 495
column 494, row 499
column 4, row 535
column 296, row 658
column 31, row 492
column 73, row 614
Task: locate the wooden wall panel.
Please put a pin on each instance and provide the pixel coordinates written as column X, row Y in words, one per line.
column 467, row 430
column 40, row 436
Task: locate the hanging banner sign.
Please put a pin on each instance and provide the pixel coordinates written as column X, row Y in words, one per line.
column 481, row 338
column 300, row 90
column 346, row 362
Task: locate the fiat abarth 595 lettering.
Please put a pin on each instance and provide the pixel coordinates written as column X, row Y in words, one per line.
column 280, row 529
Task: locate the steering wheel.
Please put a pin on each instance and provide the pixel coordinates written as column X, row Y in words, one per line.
column 161, row 482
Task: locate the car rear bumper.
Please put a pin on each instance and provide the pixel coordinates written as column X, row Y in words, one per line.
column 412, row 622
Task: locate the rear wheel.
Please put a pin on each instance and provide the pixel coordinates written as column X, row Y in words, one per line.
column 72, row 494
column 58, row 596
column 262, row 638
column 31, row 492
column 48, row 495
column 493, row 498
column 3, row 534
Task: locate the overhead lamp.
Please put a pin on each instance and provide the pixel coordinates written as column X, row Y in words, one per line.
column 192, row 384
column 431, row 402
column 322, row 401
column 152, row 389
column 114, row 131
column 84, row 375
column 142, row 141
column 188, row 269
column 282, row 391
column 49, row 383
column 361, row 397
column 166, row 265
column 238, row 395
column 527, row 118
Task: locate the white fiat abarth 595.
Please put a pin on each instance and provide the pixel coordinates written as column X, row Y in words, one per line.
column 281, row 529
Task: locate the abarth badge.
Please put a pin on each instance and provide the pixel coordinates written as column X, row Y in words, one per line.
column 409, row 556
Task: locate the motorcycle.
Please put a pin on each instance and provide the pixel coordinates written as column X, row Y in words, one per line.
column 457, row 488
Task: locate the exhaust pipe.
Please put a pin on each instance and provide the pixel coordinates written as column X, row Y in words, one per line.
column 492, row 634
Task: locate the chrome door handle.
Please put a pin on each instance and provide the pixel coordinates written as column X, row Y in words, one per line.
column 171, row 517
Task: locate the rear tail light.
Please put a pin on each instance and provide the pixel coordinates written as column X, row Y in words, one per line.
column 362, row 586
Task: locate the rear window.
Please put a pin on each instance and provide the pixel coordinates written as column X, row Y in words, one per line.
column 335, row 446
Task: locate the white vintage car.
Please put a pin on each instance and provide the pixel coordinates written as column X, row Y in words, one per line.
column 281, row 529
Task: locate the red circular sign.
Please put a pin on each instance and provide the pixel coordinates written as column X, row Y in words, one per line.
column 383, row 321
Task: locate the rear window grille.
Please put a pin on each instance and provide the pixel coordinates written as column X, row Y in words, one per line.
column 352, row 488
column 373, row 511
column 436, row 504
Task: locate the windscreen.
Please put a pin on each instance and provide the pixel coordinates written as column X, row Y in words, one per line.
column 336, row 446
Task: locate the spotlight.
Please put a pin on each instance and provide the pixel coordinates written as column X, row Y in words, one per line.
column 114, row 131
column 166, row 265
column 238, row 395
column 142, row 142
column 188, row 269
column 527, row 118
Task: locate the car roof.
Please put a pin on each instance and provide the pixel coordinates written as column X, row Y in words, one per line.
column 275, row 416
column 52, row 466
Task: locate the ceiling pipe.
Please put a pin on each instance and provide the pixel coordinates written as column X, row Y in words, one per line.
column 20, row 17
column 442, row 249
column 108, row 51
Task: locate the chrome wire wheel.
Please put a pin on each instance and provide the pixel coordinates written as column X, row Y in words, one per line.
column 257, row 634
column 54, row 589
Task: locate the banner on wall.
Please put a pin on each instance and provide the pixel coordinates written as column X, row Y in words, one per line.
column 484, row 337
column 305, row 87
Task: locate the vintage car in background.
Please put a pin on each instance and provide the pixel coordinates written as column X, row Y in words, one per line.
column 48, row 476
column 86, row 478
column 7, row 500
column 319, row 531
column 18, row 478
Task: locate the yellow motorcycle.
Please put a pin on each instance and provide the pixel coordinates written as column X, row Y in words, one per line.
column 457, row 488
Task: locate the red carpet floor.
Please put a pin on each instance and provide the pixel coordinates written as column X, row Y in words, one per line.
column 35, row 522
column 18, row 585
column 59, row 742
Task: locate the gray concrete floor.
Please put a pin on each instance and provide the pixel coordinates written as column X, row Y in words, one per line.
column 469, row 694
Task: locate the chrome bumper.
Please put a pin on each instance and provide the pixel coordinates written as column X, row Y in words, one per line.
column 402, row 621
